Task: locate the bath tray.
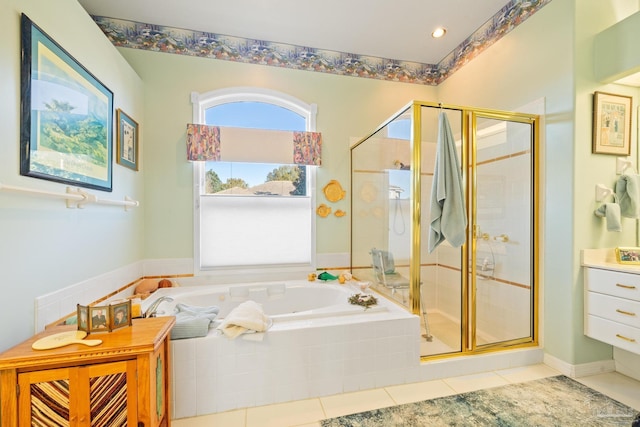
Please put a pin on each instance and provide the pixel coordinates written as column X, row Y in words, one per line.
column 63, row 338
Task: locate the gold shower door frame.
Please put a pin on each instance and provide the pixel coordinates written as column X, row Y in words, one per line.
column 468, row 318
column 473, row 231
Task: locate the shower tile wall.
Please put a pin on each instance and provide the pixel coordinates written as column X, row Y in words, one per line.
column 504, row 209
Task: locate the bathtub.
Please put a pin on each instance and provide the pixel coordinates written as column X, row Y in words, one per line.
column 317, row 345
column 282, row 302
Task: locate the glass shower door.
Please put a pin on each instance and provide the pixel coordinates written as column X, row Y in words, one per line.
column 442, row 312
column 501, row 259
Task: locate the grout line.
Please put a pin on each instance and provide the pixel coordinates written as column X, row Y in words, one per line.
column 324, row 411
column 390, row 396
column 604, row 390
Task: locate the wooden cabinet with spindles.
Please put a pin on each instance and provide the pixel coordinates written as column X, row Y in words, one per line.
column 124, row 381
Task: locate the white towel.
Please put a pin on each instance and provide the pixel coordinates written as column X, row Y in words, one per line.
column 448, row 211
column 247, row 317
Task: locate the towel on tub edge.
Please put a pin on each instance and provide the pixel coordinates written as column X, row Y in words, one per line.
column 193, row 321
column 246, row 317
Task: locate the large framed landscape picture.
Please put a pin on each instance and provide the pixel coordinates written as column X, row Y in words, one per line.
column 66, row 132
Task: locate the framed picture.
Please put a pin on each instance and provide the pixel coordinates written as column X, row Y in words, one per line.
column 98, row 319
column 120, row 315
column 66, row 123
column 628, row 255
column 83, row 318
column 611, row 124
column 126, row 141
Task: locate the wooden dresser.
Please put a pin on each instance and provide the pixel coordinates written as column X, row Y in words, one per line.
column 122, row 382
column 612, row 302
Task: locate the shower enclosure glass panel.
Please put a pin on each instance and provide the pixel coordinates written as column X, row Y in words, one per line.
column 483, row 294
column 381, row 205
column 503, row 238
column 441, row 308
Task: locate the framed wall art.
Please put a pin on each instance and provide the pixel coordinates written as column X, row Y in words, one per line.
column 611, row 124
column 66, row 123
column 126, row 140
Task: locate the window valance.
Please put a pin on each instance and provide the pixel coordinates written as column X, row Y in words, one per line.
column 231, row 144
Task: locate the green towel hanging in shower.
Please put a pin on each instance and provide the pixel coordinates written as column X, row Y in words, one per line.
column 448, row 211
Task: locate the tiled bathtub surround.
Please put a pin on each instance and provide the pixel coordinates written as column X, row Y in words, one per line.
column 54, row 306
column 215, row 374
column 317, row 346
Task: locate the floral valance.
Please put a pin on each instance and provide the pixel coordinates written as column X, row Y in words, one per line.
column 229, row 144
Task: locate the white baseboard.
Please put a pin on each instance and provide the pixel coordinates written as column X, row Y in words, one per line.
column 581, row 370
column 627, row 363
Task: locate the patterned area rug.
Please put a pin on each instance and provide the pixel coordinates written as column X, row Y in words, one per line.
column 555, row 401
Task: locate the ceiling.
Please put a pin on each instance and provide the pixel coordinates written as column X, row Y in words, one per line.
column 398, row 29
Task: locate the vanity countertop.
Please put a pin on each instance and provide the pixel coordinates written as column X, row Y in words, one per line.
column 606, row 260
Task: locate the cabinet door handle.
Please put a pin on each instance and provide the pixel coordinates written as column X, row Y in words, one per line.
column 628, row 313
column 622, row 337
column 620, row 285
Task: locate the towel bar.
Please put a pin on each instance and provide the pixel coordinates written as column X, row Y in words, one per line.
column 76, row 198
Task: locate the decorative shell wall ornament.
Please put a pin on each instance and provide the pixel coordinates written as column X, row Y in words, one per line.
column 323, row 210
column 369, row 192
column 333, row 191
column 340, row 213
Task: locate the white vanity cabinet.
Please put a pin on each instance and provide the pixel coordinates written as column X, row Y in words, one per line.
column 612, row 307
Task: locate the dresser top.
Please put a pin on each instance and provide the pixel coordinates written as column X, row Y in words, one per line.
column 606, row 259
column 142, row 337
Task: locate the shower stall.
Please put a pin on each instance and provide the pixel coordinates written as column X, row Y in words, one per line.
column 483, row 294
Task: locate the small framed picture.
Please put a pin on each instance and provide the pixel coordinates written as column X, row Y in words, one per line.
column 628, row 255
column 120, row 315
column 611, row 124
column 83, row 318
column 98, row 319
column 126, row 140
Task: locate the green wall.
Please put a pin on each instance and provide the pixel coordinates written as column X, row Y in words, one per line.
column 44, row 246
column 347, row 107
column 550, row 57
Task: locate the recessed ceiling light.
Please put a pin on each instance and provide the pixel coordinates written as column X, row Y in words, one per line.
column 438, row 32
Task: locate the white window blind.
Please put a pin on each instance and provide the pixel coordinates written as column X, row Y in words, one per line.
column 240, row 234
column 241, row 231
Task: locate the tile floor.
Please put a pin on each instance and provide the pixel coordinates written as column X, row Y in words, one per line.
column 308, row 413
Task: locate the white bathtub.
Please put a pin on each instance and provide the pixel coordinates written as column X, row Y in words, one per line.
column 282, row 302
column 318, row 345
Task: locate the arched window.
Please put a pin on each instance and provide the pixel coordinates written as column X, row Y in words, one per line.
column 252, row 217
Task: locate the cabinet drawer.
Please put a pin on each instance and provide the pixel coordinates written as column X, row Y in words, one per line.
column 616, row 334
column 623, row 285
column 613, row 308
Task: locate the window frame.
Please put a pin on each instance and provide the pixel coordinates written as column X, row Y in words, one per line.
column 203, row 101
